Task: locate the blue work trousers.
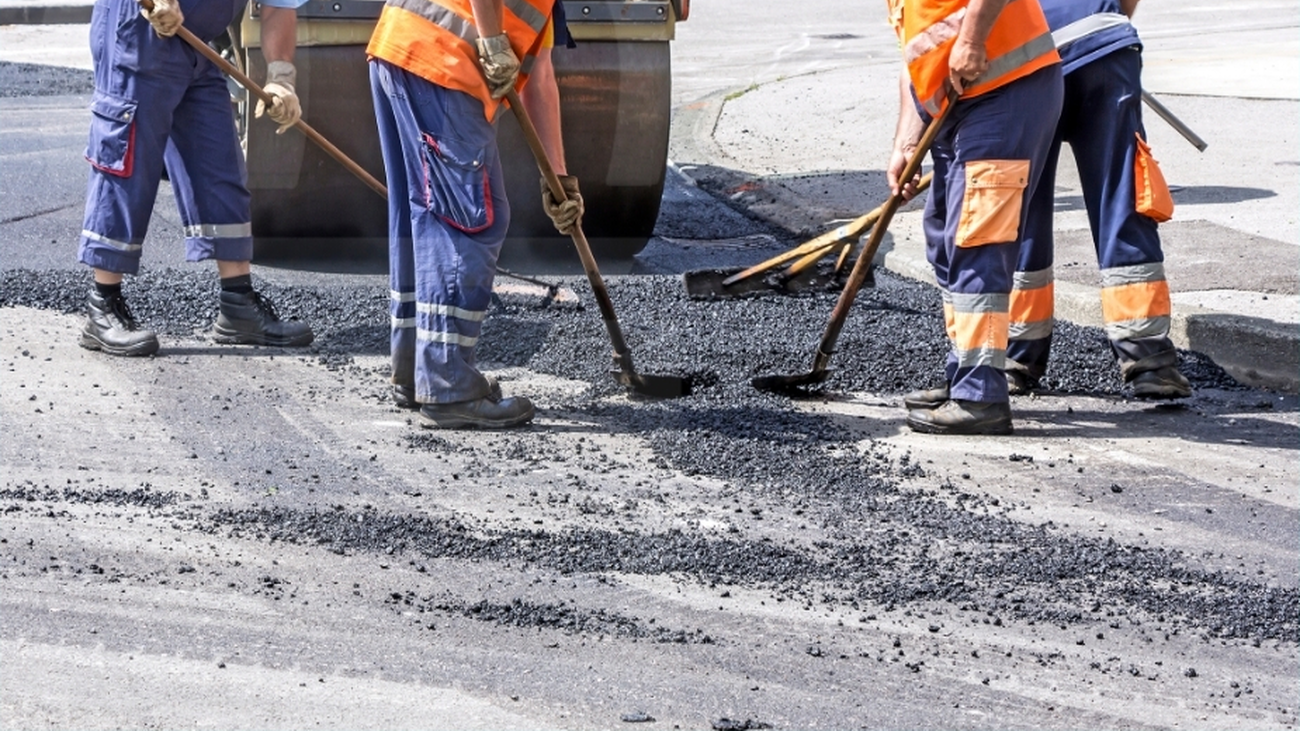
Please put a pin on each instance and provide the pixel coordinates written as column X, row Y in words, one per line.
column 988, row 158
column 1100, row 118
column 447, row 220
column 159, row 103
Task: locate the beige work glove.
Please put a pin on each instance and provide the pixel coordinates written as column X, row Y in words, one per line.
column 166, row 17
column 500, row 64
column 285, row 110
column 564, row 215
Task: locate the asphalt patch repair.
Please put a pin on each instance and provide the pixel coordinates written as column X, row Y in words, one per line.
column 884, row 546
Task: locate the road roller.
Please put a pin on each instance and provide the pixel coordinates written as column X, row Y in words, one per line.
column 615, row 90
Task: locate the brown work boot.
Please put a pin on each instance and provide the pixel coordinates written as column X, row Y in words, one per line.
column 1161, row 383
column 404, row 393
column 956, row 416
column 926, row 398
column 481, row 413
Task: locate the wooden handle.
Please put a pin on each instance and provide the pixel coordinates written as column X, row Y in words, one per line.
column 257, row 91
column 606, row 305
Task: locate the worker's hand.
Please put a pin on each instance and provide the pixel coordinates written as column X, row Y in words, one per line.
column 564, row 215
column 897, row 162
column 967, row 62
column 500, row 64
column 285, row 109
column 166, row 17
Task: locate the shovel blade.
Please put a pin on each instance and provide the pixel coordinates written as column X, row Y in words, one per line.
column 708, row 284
column 655, row 386
column 790, row 384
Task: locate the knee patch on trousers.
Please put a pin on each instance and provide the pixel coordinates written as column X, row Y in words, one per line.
column 991, row 205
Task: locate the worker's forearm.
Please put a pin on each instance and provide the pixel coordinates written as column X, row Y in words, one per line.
column 979, row 20
column 487, row 17
column 910, row 127
column 541, row 97
column 1128, row 7
column 279, row 33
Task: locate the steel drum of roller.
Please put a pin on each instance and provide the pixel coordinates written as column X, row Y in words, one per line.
column 615, row 90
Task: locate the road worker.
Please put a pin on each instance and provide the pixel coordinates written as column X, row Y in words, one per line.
column 1102, row 120
column 438, row 72
column 159, row 104
column 998, row 56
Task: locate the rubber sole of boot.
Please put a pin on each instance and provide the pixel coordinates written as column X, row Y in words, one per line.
column 140, row 349
column 235, row 337
column 989, row 428
column 1160, row 392
column 460, row 422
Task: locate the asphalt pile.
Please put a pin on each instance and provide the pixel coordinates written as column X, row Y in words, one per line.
column 888, row 543
column 30, row 79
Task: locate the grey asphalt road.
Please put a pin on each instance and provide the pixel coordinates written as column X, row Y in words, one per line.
column 237, row 538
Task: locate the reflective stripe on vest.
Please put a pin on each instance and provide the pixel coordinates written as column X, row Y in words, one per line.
column 434, row 39
column 979, row 329
column 1032, row 305
column 1085, row 27
column 1019, row 44
column 1135, row 301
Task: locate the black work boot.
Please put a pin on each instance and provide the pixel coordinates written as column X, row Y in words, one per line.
column 926, row 398
column 1020, row 383
column 250, row 319
column 1161, row 383
column 111, row 328
column 404, row 393
column 956, row 416
column 482, row 413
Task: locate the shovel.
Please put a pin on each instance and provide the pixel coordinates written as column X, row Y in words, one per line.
column 822, row 358
column 717, row 283
column 657, row 386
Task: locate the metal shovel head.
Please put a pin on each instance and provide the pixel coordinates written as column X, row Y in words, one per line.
column 790, row 384
column 655, row 386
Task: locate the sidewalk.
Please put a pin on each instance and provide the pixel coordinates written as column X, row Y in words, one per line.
column 808, row 151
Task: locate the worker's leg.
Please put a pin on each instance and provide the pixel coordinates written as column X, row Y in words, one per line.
column 206, row 167
column 459, row 216
column 131, row 114
column 999, row 142
column 401, row 257
column 1135, row 295
column 1032, row 303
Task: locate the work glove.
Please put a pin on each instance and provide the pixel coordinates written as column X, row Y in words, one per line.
column 564, row 215
column 285, row 110
column 500, row 64
column 166, row 17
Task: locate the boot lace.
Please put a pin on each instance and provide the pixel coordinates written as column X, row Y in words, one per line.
column 265, row 306
column 118, row 308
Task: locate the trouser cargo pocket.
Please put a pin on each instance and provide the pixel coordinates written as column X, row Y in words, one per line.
column 112, row 135
column 991, row 206
column 456, row 184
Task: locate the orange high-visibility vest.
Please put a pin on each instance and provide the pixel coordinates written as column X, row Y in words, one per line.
column 1019, row 44
column 434, row 39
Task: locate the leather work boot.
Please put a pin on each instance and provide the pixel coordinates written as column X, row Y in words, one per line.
column 962, row 417
column 1020, row 383
column 111, row 328
column 1161, row 383
column 250, row 319
column 404, row 393
column 483, row 413
column 926, row 398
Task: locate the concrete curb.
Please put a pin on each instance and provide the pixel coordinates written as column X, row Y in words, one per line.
column 1255, row 351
